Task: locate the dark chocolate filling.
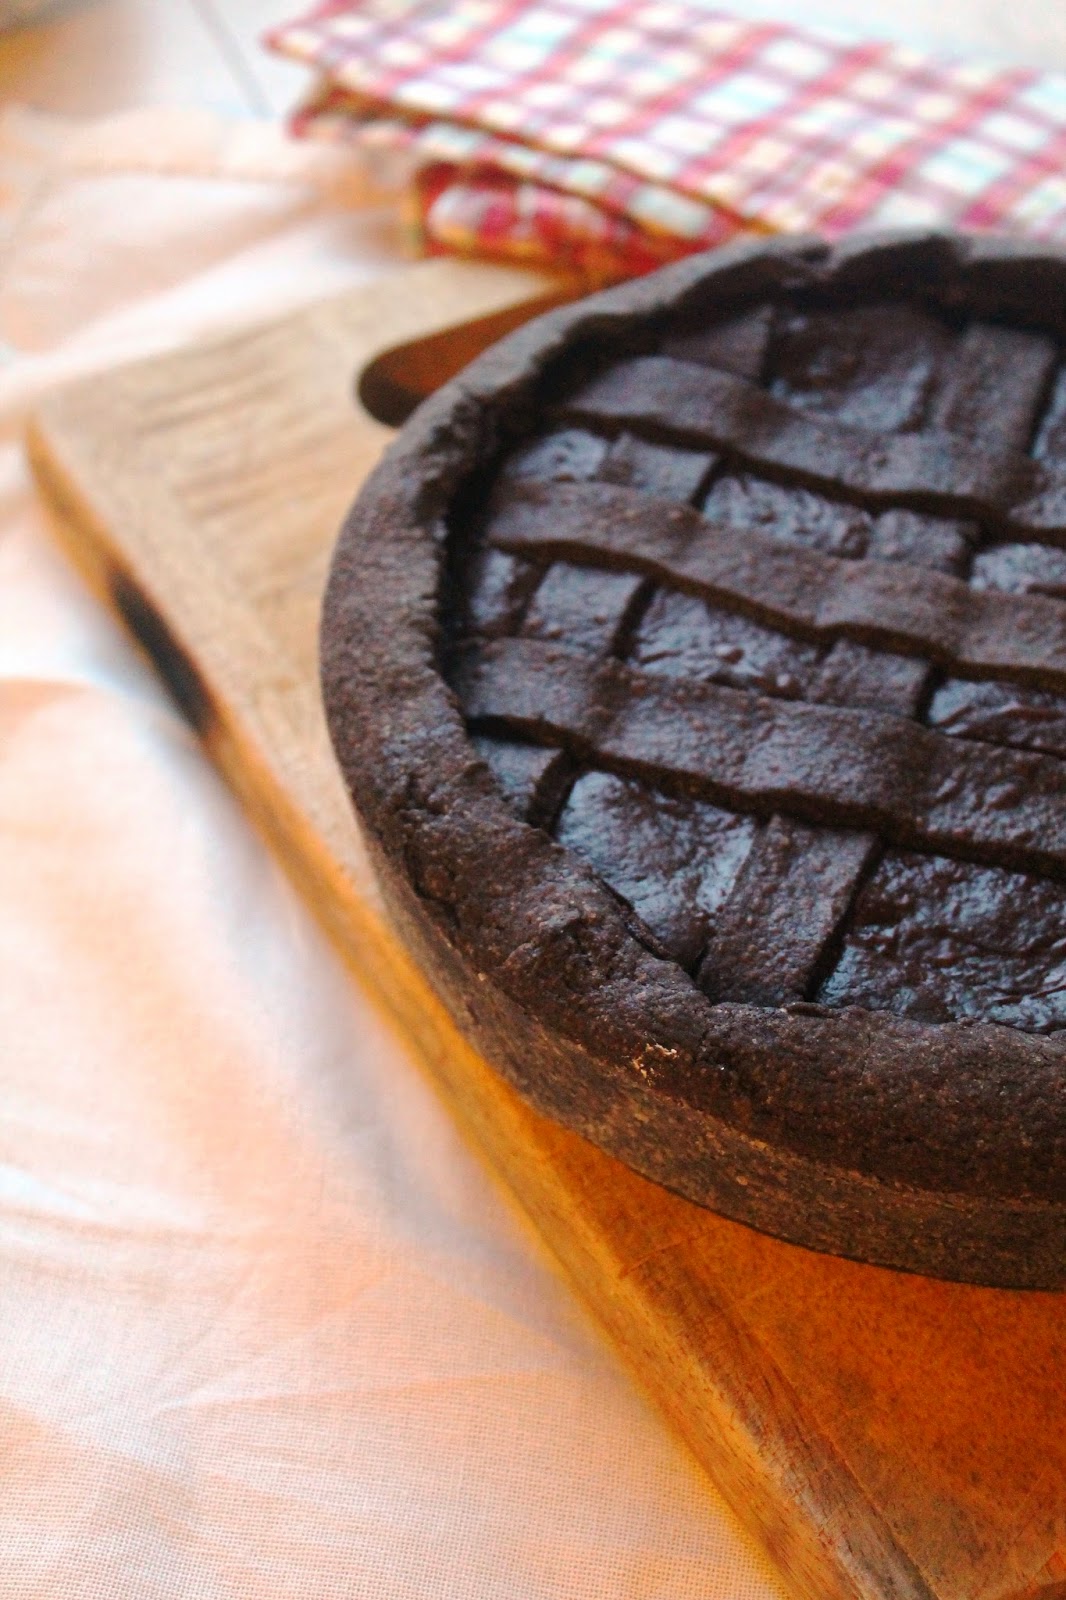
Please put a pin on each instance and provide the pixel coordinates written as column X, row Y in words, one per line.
column 754, row 598
column 696, row 662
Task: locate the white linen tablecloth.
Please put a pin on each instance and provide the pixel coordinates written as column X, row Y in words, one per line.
column 268, row 1329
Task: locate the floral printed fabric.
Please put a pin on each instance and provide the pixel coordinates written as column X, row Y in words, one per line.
column 617, row 134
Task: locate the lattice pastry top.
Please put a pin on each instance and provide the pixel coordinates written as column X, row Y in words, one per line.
column 715, row 741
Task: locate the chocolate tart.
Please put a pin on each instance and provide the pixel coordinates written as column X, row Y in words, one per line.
column 696, row 661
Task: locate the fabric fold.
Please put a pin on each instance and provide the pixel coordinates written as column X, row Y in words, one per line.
column 618, row 134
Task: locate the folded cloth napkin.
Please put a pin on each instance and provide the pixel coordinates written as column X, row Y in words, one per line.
column 617, row 134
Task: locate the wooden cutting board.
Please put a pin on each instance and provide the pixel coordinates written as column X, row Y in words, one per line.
column 879, row 1434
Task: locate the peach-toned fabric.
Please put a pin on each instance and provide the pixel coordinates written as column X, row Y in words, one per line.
column 268, row 1330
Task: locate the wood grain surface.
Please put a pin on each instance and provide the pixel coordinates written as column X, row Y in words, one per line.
column 880, row 1435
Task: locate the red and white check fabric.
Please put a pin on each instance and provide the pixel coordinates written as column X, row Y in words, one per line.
column 621, row 133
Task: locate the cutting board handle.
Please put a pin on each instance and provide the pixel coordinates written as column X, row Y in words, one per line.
column 395, row 381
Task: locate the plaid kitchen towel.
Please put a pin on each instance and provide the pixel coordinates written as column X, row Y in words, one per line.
column 618, row 134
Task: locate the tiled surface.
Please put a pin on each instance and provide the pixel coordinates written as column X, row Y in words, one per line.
column 95, row 56
column 91, row 57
